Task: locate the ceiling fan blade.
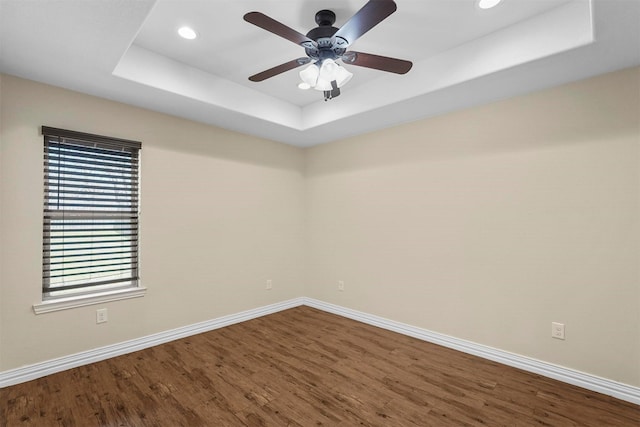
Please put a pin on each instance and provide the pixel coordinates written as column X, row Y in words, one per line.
column 371, row 14
column 279, row 69
column 263, row 21
column 383, row 63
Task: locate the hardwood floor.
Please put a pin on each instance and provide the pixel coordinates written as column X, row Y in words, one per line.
column 304, row 367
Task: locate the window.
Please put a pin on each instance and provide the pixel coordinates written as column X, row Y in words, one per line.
column 90, row 232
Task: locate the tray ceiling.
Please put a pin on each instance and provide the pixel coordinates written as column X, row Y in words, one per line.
column 463, row 56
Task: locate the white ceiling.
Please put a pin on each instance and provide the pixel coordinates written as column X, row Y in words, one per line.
column 463, row 56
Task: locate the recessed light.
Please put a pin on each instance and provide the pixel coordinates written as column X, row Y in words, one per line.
column 488, row 4
column 187, row 33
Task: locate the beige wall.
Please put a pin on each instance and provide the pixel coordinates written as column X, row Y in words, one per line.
column 486, row 224
column 221, row 213
column 490, row 223
column 2, row 246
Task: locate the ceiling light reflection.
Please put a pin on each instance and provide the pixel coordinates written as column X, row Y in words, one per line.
column 488, row 4
column 187, row 33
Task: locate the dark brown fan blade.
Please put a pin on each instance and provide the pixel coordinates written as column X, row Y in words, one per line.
column 383, row 63
column 279, row 69
column 365, row 19
column 263, row 21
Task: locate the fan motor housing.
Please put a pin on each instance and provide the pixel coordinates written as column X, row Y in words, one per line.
column 323, row 36
column 321, row 32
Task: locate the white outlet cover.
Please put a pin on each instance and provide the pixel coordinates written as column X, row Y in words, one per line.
column 101, row 315
column 557, row 330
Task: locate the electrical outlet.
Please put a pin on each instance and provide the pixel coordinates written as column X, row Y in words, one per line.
column 101, row 315
column 269, row 284
column 341, row 285
column 557, row 330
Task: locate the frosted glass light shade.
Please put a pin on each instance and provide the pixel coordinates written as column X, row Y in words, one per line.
column 342, row 76
column 320, row 77
column 309, row 76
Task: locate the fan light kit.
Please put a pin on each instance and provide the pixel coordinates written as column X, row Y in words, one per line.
column 320, row 77
column 326, row 44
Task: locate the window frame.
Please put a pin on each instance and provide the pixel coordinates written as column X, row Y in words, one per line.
column 89, row 292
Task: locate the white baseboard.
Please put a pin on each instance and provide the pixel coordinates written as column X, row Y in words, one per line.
column 587, row 381
column 580, row 379
column 38, row 370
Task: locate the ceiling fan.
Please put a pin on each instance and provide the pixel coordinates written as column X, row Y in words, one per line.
column 325, row 44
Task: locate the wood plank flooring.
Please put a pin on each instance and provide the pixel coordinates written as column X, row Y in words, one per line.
column 304, row 367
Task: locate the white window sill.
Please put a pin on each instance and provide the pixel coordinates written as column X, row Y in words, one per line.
column 83, row 300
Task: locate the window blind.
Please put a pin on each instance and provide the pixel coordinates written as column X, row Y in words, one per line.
column 90, row 221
